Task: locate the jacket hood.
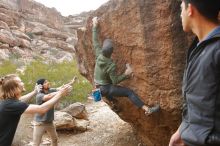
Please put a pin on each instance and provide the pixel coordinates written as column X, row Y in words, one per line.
column 107, row 48
column 214, row 33
column 103, row 61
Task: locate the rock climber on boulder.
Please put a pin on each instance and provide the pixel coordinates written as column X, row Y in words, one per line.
column 105, row 76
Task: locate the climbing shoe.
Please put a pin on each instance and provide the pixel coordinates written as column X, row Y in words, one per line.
column 153, row 109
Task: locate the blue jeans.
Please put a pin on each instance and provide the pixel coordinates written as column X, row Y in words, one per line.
column 113, row 91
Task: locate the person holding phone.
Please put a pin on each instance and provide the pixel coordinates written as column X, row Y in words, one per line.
column 44, row 122
column 12, row 106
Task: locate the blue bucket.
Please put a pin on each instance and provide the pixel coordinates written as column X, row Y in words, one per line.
column 96, row 94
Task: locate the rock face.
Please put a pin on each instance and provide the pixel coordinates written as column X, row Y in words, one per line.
column 148, row 35
column 76, row 110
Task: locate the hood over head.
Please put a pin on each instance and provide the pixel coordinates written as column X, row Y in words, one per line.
column 107, row 48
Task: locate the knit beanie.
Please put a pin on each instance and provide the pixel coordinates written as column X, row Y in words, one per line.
column 107, row 48
column 41, row 81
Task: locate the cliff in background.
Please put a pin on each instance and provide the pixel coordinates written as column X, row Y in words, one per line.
column 148, row 35
column 29, row 30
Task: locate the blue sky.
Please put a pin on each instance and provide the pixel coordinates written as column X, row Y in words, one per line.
column 69, row 7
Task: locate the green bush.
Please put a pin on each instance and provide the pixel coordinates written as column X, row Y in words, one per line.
column 7, row 67
column 56, row 74
column 14, row 56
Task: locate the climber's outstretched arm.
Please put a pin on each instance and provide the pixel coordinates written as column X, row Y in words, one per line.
column 96, row 45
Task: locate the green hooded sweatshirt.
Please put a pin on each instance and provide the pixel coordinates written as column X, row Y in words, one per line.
column 105, row 68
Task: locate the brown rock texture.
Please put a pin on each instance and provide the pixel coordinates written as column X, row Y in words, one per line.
column 39, row 13
column 148, row 35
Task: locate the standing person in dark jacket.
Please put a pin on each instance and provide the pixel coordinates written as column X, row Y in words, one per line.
column 105, row 74
column 12, row 107
column 201, row 82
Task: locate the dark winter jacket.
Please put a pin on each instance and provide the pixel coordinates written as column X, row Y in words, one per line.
column 201, row 89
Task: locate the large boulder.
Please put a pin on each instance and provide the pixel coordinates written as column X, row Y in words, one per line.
column 64, row 121
column 77, row 110
column 148, row 35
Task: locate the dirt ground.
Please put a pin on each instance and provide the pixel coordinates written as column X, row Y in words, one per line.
column 105, row 129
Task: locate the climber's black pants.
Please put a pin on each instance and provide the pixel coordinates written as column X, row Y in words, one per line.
column 114, row 91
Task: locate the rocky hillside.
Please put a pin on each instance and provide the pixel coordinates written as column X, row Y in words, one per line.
column 148, row 35
column 29, row 30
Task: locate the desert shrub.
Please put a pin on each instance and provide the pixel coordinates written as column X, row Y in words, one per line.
column 7, row 67
column 56, row 73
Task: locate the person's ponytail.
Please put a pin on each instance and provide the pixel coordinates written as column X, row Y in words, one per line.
column 8, row 86
column 1, row 91
column 1, row 80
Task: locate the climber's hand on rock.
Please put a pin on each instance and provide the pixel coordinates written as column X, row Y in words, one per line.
column 95, row 21
column 128, row 70
column 83, row 29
